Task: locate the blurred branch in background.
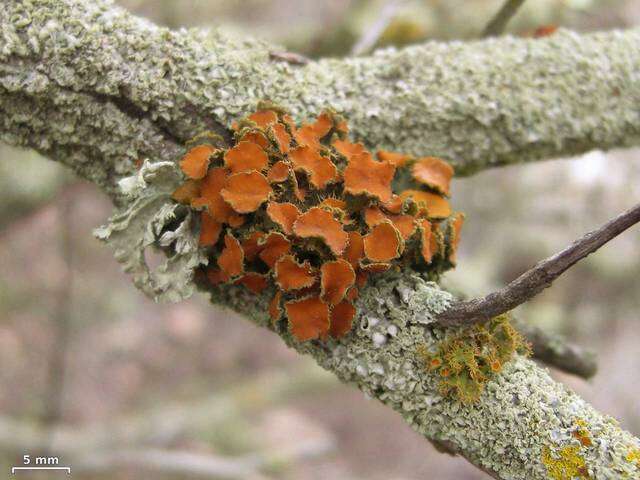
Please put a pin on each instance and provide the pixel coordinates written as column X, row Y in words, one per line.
column 371, row 35
column 541, row 276
column 557, row 351
column 499, row 22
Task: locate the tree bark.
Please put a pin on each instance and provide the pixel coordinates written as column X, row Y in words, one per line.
column 95, row 88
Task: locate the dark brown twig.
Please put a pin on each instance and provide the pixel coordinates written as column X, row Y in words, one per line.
column 541, row 276
column 498, row 23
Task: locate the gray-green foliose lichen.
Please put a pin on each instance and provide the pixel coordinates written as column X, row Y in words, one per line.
column 86, row 79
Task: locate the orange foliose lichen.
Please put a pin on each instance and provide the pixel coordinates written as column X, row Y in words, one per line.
column 305, row 211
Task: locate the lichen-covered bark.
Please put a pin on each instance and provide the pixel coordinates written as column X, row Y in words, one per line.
column 95, row 88
column 72, row 73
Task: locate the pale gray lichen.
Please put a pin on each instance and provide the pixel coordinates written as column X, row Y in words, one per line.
column 151, row 220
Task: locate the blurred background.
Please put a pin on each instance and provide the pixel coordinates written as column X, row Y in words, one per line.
column 121, row 388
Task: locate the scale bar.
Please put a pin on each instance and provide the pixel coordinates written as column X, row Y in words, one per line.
column 15, row 469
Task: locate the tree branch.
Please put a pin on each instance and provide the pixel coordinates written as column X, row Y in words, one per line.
column 541, row 276
column 498, row 23
column 96, row 88
column 480, row 104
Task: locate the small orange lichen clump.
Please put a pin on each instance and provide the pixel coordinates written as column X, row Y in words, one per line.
column 305, row 212
column 466, row 359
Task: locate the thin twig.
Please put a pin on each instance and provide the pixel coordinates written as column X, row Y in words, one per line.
column 498, row 23
column 556, row 351
column 371, row 36
column 533, row 281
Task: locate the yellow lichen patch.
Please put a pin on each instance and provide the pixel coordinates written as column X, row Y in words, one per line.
column 231, row 259
column 384, row 243
column 308, row 318
column 318, row 223
column 284, row 214
column 355, row 249
column 336, row 278
column 279, row 172
column 275, row 246
column 246, row 191
column 395, row 159
column 263, row 118
column 365, row 176
column 209, row 230
column 245, row 157
column 434, row 173
column 565, row 464
column 633, row 456
column 348, row 149
column 435, row 206
column 291, row 275
column 257, row 138
column 467, row 358
column 187, row 192
column 254, row 282
column 196, row 162
column 341, row 320
column 321, row 170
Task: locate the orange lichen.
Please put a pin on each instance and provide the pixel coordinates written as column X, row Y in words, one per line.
column 433, row 205
column 275, row 246
column 254, row 282
column 291, row 275
column 318, row 223
column 384, row 243
column 245, row 157
column 336, row 278
column 347, row 148
column 426, row 240
column 275, row 310
column 307, row 212
column 209, row 230
column 454, row 233
column 396, row 159
column 308, row 318
column 321, row 170
column 210, row 196
column 257, row 138
column 282, row 137
column 355, row 249
column 187, row 192
column 196, row 162
column 231, row 259
column 365, row 176
column 582, row 434
column 263, row 118
column 251, row 245
column 283, row 214
column 341, row 319
column 216, row 276
column 434, row 173
column 279, row 172
column 246, row 191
